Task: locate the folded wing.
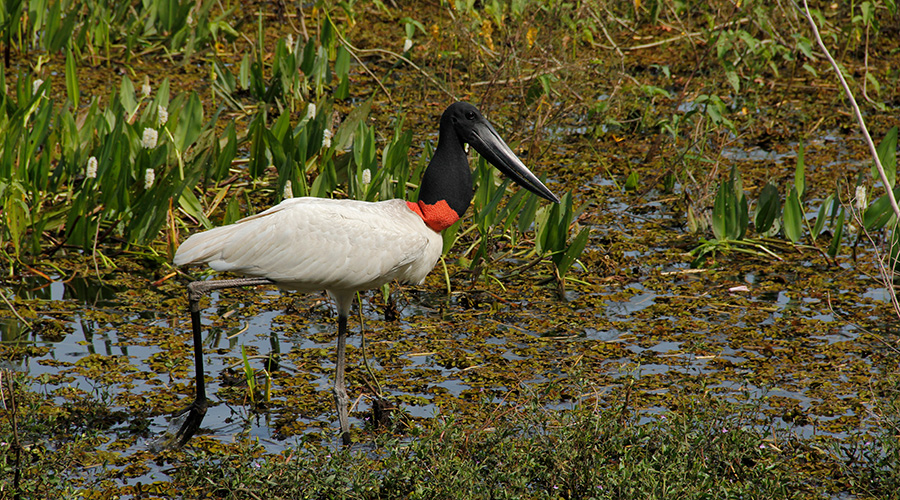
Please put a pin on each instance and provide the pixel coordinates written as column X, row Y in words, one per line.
column 312, row 244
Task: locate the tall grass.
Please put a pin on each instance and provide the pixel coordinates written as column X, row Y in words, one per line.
column 526, row 452
column 124, row 166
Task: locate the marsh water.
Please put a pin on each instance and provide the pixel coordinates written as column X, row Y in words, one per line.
column 783, row 336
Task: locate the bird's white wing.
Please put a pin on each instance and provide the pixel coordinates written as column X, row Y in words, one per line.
column 313, row 244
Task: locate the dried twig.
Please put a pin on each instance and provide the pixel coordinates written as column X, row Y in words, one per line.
column 354, row 51
column 884, row 268
column 859, row 117
column 13, row 309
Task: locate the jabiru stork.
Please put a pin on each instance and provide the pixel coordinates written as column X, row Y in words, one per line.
column 345, row 246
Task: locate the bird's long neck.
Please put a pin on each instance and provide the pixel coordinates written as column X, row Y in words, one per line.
column 446, row 190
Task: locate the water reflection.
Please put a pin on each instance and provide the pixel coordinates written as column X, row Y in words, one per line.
column 13, row 331
column 82, row 289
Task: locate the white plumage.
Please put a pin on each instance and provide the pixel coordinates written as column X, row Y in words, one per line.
column 344, row 246
column 309, row 244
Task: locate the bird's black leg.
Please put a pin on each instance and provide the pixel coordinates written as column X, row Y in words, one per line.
column 340, row 388
column 186, row 422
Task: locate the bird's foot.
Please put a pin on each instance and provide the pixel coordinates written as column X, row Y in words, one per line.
column 381, row 413
column 182, row 426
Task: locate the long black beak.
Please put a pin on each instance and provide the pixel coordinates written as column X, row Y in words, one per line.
column 488, row 143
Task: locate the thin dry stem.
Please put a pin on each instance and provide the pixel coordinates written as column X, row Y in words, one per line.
column 856, row 112
column 886, row 271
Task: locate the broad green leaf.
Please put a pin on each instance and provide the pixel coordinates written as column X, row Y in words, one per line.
column 769, row 208
column 527, row 213
column 693, row 225
column 793, row 217
column 126, row 96
column 315, row 128
column 879, row 212
column 276, row 150
column 15, row 211
column 190, row 123
column 282, row 126
column 510, row 212
column 487, row 216
column 887, row 153
column 326, row 181
column 257, row 133
column 343, row 137
column 309, row 58
column 59, row 28
column 867, row 12
column 733, row 79
column 631, row 183
column 800, row 173
column 873, row 81
column 835, row 245
column 232, row 211
column 573, row 251
column 191, row 205
column 805, row 46
column 553, row 237
column 326, row 35
column 720, row 213
column 449, row 236
column 822, row 216
column 342, row 71
column 40, row 130
column 162, row 94
column 72, row 78
column 244, row 72
column 730, row 218
column 714, row 113
column 224, row 78
column 742, row 217
column 542, row 228
column 227, row 153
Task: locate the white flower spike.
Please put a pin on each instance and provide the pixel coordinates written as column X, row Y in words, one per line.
column 91, row 172
column 149, row 139
column 861, row 198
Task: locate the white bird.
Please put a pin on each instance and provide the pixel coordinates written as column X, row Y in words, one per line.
column 344, row 246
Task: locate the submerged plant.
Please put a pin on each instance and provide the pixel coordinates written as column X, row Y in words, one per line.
column 730, row 219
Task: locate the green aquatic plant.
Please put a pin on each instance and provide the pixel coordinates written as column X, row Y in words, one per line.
column 731, row 220
column 554, row 224
column 101, row 30
column 113, row 171
column 525, row 451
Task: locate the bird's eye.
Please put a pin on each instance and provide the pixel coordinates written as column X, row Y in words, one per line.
column 470, row 115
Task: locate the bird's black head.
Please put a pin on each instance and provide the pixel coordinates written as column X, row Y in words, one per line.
column 472, row 128
column 448, row 178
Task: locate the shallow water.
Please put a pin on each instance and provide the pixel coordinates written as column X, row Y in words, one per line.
column 657, row 330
